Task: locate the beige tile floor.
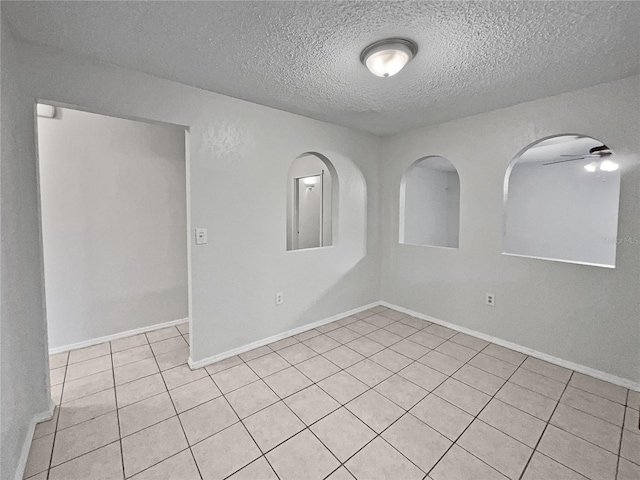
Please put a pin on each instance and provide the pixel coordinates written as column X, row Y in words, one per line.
column 378, row 395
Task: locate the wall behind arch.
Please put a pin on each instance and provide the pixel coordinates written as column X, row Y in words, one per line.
column 587, row 315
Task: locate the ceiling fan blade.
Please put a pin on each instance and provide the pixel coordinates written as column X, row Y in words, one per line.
column 581, row 156
column 563, row 161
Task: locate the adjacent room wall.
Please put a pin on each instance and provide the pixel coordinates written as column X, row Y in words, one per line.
column 584, row 314
column 114, row 224
column 23, row 335
column 240, row 154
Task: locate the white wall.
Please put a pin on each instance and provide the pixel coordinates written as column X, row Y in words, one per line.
column 431, row 207
column 562, row 212
column 23, row 335
column 588, row 315
column 114, row 224
column 240, row 155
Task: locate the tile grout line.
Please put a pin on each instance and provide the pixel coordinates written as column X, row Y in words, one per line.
column 624, row 418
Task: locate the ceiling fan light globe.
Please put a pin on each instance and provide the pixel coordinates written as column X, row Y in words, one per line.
column 591, row 167
column 608, row 166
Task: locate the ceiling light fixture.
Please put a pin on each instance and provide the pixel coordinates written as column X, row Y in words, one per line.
column 387, row 57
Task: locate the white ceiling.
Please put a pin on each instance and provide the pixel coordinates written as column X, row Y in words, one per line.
column 303, row 57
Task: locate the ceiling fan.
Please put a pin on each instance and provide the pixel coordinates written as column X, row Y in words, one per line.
column 600, row 155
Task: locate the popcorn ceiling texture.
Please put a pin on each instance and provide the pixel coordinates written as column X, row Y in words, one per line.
column 303, row 57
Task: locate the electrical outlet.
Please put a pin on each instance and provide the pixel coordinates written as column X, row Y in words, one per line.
column 279, row 298
column 491, row 300
column 201, row 236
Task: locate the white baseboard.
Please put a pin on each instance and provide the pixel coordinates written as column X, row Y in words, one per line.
column 115, row 336
column 607, row 377
column 26, row 446
column 265, row 341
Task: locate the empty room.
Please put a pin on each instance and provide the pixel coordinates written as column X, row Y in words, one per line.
column 307, row 240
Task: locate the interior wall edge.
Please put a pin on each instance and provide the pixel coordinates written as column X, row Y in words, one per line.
column 115, row 336
column 26, row 446
column 195, row 364
column 607, row 377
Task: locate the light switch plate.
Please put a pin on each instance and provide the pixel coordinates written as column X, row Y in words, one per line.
column 201, row 236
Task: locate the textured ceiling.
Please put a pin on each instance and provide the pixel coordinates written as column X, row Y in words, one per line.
column 303, row 57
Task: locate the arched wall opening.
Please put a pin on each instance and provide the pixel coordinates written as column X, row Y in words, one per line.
column 430, row 203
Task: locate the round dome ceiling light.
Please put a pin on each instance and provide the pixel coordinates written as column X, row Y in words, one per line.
column 387, row 57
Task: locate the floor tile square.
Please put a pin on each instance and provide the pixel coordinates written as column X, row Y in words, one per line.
column 256, row 353
column 86, row 408
column 632, row 419
column 207, row 419
column 542, row 467
column 401, row 329
column 594, row 405
column 374, row 410
column 391, row 360
column 343, row 335
column 393, row 314
column 145, row 413
column 301, row 337
column 140, row 389
column 456, row 351
column 183, row 328
column 48, row 426
column 347, row 320
column 87, row 385
column 468, row 341
column 311, row 404
column 628, row 470
column 364, row 346
column 287, row 382
column 599, row 387
column 384, row 337
column 288, row 341
column 328, row 327
column 479, row 379
column 103, row 463
column 442, row 416
column 414, row 322
column 125, row 343
column 317, row 368
column 459, row 464
column 343, row 387
column 56, row 376
column 369, row 372
column 362, row 327
column 416, row 441
column 131, row 355
column 257, row 470
column 441, row 362
column 343, row 356
column 493, row 365
column 577, row 454
column 249, row 399
column 409, row 349
column 341, row 474
column 526, row 400
column 179, row 467
column 504, row 354
column 497, row 449
column 134, row 371
column 87, row 367
column 234, row 378
column 467, row 398
column 302, row 457
column 181, row 375
column 343, row 433
column 401, row 391
column 379, row 321
column 225, row 453
column 84, row 354
column 515, row 423
column 364, row 314
column 587, row 427
column 423, row 376
column 85, row 437
column 162, row 334
column 380, row 461
column 273, row 425
column 173, row 359
column 547, row 369
column 321, row 343
column 296, row 353
column 538, row 383
column 39, row 455
column 440, row 331
column 193, row 394
column 630, row 447
column 268, row 364
column 168, row 345
column 58, row 360
column 225, row 364
column 426, row 339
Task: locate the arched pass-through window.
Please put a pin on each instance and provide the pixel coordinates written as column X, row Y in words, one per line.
column 561, row 197
column 430, row 203
column 312, row 201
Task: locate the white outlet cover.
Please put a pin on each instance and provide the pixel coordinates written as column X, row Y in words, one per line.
column 201, row 236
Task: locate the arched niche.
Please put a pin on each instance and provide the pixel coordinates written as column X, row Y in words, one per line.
column 312, row 202
column 561, row 197
column 430, row 203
